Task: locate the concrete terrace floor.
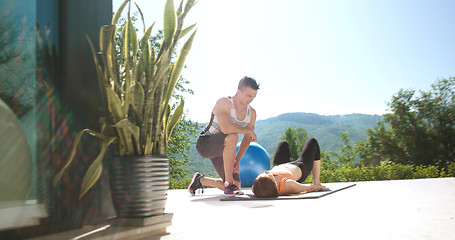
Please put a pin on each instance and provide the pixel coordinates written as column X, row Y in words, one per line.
column 400, row 209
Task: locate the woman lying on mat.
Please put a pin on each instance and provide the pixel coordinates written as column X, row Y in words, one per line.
column 286, row 177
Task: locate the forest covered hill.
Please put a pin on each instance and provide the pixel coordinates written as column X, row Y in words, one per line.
column 324, row 128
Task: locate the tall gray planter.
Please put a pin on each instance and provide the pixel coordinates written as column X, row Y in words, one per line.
column 139, row 185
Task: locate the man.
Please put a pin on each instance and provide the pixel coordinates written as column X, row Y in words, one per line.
column 231, row 116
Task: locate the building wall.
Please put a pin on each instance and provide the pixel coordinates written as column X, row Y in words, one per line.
column 61, row 98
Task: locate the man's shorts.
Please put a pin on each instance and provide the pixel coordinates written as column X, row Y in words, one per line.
column 211, row 146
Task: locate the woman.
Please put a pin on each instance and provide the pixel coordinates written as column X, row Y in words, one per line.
column 286, row 177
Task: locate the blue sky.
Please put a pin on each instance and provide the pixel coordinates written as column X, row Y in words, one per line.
column 326, row 57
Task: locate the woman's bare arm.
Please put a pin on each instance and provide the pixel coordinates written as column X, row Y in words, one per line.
column 293, row 187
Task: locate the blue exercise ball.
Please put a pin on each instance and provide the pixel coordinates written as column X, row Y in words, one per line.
column 254, row 162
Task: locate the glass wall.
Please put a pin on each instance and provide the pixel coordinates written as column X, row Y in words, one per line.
column 18, row 94
column 48, row 92
column 28, row 69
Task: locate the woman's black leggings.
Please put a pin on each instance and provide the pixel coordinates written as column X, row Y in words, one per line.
column 310, row 152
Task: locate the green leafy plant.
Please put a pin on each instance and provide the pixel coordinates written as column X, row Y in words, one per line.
column 393, row 171
column 136, row 83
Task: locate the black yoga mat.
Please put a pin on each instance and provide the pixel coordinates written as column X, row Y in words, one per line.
column 334, row 187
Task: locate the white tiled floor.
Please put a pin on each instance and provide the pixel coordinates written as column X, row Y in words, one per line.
column 405, row 209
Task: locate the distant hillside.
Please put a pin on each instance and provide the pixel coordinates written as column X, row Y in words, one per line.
column 324, row 128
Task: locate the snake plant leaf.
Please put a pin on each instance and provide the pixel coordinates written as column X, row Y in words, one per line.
column 107, row 32
column 111, row 62
column 138, row 99
column 140, row 68
column 132, row 129
column 107, row 38
column 186, row 30
column 126, row 54
column 142, row 15
column 181, row 16
column 175, row 118
column 115, row 105
column 179, row 10
column 146, row 37
column 166, row 114
column 189, row 4
column 125, row 123
column 161, row 71
column 149, row 73
column 144, row 62
column 107, row 41
column 119, row 12
column 145, row 129
column 148, row 145
column 94, row 171
column 169, row 22
column 76, row 142
column 132, row 39
column 163, row 138
column 60, row 173
column 95, row 59
column 178, row 66
column 99, row 71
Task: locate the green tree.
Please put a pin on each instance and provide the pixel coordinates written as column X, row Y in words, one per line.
column 296, row 139
column 381, row 146
column 179, row 145
column 346, row 155
column 327, row 163
column 420, row 130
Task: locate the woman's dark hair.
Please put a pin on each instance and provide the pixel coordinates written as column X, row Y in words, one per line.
column 264, row 187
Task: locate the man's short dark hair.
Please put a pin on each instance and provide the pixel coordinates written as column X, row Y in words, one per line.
column 248, row 82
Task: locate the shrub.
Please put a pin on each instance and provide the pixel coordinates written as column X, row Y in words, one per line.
column 358, row 174
column 385, row 172
column 451, row 170
column 179, row 183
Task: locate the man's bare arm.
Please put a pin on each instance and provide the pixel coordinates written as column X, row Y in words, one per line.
column 222, row 111
column 247, row 138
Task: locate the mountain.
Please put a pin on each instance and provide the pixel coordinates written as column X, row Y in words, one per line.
column 324, row 128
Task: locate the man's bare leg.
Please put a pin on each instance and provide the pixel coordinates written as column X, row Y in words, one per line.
column 230, row 143
column 213, row 182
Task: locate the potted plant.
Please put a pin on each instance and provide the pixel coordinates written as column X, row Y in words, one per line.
column 136, row 86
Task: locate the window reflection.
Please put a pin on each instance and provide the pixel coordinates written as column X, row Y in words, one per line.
column 17, row 101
